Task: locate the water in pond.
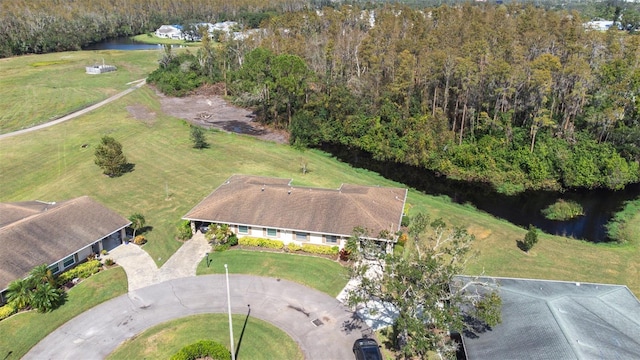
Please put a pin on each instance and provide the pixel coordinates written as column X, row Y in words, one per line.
column 124, row 43
column 522, row 209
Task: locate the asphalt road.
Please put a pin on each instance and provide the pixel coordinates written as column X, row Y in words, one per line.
column 291, row 307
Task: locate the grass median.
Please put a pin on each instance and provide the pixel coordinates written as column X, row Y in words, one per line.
column 260, row 340
column 24, row 330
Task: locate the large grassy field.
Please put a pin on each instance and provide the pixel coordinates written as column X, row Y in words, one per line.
column 38, row 88
column 22, row 331
column 170, row 177
column 260, row 340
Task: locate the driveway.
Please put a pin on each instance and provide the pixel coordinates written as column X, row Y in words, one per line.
column 287, row 305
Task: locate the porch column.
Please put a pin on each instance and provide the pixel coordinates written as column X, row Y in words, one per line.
column 193, row 227
column 123, row 234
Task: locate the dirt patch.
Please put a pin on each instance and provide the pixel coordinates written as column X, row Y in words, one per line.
column 207, row 108
column 141, row 112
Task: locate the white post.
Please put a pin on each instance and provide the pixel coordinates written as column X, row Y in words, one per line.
column 233, row 353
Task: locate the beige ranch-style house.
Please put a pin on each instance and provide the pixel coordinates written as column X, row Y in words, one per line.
column 59, row 234
column 273, row 208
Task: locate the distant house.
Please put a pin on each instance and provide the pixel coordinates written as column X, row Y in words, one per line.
column 273, row 208
column 60, row 235
column 600, row 25
column 170, row 32
column 178, row 32
column 543, row 319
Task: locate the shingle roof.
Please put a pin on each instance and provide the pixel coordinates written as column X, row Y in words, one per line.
column 34, row 233
column 273, row 202
column 560, row 320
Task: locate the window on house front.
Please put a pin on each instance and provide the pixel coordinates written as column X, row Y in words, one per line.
column 243, row 229
column 331, row 239
column 68, row 261
column 54, row 269
column 272, row 232
column 300, row 236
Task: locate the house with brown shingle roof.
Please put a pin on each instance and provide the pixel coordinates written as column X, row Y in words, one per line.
column 60, row 235
column 274, row 208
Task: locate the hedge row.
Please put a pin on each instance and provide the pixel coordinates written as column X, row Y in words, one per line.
column 265, row 243
column 82, row 271
column 6, row 311
column 320, row 249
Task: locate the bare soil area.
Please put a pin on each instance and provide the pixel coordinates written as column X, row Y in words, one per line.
column 208, row 109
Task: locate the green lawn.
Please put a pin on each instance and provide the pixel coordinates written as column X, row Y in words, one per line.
column 170, row 178
column 38, row 88
column 261, row 340
column 319, row 273
column 22, row 331
column 151, row 38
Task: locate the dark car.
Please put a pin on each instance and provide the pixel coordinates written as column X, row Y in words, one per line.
column 366, row 349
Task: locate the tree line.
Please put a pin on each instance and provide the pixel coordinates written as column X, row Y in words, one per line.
column 514, row 95
column 42, row 26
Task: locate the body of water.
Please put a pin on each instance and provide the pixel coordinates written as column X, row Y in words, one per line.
column 522, row 209
column 124, row 44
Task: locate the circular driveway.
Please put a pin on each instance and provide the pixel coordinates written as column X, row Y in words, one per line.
column 320, row 324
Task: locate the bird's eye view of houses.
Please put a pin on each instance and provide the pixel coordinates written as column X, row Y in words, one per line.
column 190, row 179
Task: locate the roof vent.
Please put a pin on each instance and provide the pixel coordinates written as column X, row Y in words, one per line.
column 262, row 188
column 289, row 192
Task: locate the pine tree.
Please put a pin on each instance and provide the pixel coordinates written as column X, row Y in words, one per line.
column 197, row 136
column 109, row 157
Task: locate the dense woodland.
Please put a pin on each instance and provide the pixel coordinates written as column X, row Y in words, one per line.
column 516, row 95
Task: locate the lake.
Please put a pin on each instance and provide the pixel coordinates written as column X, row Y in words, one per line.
column 124, row 43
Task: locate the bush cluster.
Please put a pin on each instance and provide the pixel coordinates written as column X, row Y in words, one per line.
column 293, row 247
column 203, row 349
column 140, row 240
column 6, row 311
column 183, row 230
column 320, row 249
column 265, row 243
column 82, row 271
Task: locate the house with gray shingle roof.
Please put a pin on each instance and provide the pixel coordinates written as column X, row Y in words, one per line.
column 59, row 234
column 274, row 208
column 546, row 319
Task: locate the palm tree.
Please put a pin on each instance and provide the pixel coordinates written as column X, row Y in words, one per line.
column 222, row 233
column 137, row 222
column 42, row 274
column 19, row 293
column 45, row 297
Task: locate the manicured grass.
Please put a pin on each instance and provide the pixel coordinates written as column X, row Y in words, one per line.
column 170, row 178
column 38, row 88
column 261, row 340
column 151, row 38
column 319, row 273
column 24, row 330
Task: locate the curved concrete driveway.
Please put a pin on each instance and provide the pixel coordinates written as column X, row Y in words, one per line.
column 291, row 307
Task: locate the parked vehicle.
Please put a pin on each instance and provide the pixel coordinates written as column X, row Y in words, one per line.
column 367, row 349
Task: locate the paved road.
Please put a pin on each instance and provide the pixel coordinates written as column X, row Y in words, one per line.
column 139, row 84
column 287, row 305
